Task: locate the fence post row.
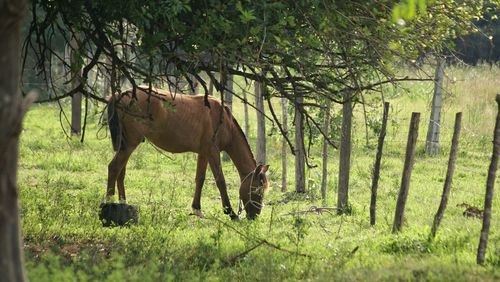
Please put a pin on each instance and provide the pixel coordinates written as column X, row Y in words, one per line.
column 449, row 175
column 490, row 183
column 408, row 166
column 376, row 167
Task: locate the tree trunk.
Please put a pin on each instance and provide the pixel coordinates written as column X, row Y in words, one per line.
column 12, row 110
column 211, row 88
column 490, row 183
column 449, row 175
column 228, row 101
column 106, row 86
column 300, row 154
column 345, row 155
column 76, row 99
column 326, row 131
column 376, row 167
column 408, row 166
column 284, row 144
column 365, row 116
column 228, row 92
column 432, row 141
column 245, row 109
column 261, row 125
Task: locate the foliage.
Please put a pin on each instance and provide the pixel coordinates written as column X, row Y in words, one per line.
column 317, row 49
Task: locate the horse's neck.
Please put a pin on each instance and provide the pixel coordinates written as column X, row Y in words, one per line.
column 240, row 154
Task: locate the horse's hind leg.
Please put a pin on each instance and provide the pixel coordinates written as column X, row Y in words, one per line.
column 215, row 166
column 116, row 173
column 201, row 170
column 120, row 183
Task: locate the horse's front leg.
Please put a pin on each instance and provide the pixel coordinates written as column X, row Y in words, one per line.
column 201, row 170
column 216, row 167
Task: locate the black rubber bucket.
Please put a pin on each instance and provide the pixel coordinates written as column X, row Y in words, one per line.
column 114, row 214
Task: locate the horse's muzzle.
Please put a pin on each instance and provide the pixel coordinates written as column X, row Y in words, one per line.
column 251, row 217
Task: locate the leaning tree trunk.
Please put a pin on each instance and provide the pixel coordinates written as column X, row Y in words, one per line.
column 432, row 141
column 261, row 125
column 300, row 154
column 12, row 110
column 76, row 99
column 326, row 130
column 345, row 154
column 284, row 144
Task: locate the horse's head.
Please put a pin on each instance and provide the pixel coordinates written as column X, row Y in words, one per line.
column 252, row 191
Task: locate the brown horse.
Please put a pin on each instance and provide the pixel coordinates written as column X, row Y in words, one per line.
column 180, row 123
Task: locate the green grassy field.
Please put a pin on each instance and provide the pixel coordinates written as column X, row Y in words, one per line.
column 62, row 182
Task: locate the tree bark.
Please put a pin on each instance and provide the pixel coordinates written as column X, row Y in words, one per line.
column 228, row 92
column 300, row 154
column 490, row 183
column 245, row 109
column 376, row 167
column 284, row 144
column 106, row 86
column 211, row 88
column 228, row 101
column 449, row 175
column 432, row 141
column 76, row 99
column 326, row 131
column 345, row 155
column 261, row 125
column 194, row 82
column 405, row 180
column 12, row 110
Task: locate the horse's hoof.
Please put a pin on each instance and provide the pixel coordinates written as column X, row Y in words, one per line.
column 234, row 217
column 108, row 200
column 198, row 213
column 122, row 201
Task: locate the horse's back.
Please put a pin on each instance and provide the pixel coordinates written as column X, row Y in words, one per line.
column 174, row 122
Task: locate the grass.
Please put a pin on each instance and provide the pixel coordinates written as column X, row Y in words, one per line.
column 62, row 183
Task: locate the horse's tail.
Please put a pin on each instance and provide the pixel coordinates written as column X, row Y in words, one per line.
column 114, row 126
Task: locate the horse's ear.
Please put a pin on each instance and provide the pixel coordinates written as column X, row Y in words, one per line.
column 263, row 169
column 258, row 168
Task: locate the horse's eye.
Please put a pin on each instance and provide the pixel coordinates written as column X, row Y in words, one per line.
column 261, row 179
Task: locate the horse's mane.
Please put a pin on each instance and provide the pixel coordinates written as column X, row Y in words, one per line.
column 240, row 131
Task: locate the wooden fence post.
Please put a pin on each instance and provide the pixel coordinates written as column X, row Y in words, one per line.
column 376, row 167
column 449, row 175
column 432, row 141
column 490, row 183
column 408, row 166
